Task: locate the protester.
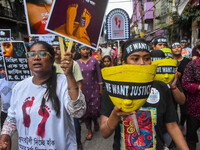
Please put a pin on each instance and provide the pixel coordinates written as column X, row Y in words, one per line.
column 159, row 43
column 42, row 106
column 186, row 51
column 195, row 54
column 78, row 77
column 5, row 93
column 106, row 50
column 159, row 99
column 92, row 88
column 191, row 83
column 106, row 61
column 170, row 77
column 98, row 55
column 57, row 63
column 183, row 61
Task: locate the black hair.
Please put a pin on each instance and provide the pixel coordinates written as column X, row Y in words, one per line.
column 102, row 61
column 106, row 56
column 51, row 83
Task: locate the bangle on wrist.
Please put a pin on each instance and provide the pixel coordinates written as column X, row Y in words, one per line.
column 174, row 88
column 72, row 88
column 108, row 125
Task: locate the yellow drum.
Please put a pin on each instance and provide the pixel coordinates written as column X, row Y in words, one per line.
column 129, row 86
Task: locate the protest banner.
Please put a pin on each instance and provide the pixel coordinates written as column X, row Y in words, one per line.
column 15, row 61
column 5, row 35
column 118, row 25
column 79, row 21
column 37, row 13
column 49, row 38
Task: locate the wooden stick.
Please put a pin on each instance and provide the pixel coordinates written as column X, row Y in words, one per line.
column 70, row 46
column 62, row 48
column 118, row 47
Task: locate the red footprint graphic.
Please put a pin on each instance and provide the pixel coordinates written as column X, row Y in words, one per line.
column 26, row 117
column 41, row 126
column 119, row 26
column 116, row 20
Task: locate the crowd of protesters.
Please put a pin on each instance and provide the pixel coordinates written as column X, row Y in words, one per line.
column 65, row 91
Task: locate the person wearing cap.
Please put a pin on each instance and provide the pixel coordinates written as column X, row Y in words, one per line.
column 78, row 77
column 186, row 51
column 183, row 61
column 159, row 43
column 92, row 88
column 76, row 69
column 106, row 50
column 136, row 52
column 171, row 79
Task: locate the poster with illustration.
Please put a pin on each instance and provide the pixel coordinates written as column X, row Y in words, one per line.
column 78, row 20
column 131, row 140
column 15, row 61
column 37, row 13
column 5, row 35
column 118, row 25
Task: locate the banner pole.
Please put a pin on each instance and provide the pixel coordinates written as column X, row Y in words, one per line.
column 62, row 48
column 118, row 47
column 70, row 46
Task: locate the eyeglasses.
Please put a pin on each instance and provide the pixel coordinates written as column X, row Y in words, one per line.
column 40, row 54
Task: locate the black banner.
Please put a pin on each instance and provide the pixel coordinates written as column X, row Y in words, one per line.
column 16, row 65
column 127, row 90
column 166, row 69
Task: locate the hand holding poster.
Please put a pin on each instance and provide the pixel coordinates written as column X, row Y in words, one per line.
column 16, row 63
column 80, row 21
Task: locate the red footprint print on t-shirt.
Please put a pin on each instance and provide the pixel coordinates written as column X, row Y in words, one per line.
column 26, row 112
column 41, row 126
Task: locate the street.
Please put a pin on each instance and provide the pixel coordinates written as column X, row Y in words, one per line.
column 97, row 142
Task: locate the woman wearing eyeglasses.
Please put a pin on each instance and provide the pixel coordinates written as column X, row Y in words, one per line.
column 43, row 106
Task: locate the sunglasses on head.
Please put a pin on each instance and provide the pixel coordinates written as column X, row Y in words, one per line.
column 40, row 54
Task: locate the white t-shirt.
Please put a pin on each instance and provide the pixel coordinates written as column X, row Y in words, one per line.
column 107, row 51
column 39, row 130
column 6, row 92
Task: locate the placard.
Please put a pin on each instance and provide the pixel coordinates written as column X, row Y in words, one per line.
column 80, row 21
column 37, row 13
column 15, row 61
column 118, row 25
column 5, row 35
column 49, row 38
